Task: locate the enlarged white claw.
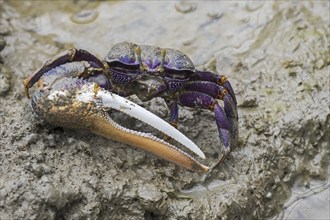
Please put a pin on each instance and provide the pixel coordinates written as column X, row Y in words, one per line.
column 113, row 101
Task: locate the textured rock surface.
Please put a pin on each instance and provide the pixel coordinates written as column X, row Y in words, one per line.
column 276, row 55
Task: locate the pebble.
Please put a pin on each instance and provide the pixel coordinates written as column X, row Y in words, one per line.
column 319, row 64
column 215, row 14
column 149, row 192
column 250, row 101
column 268, row 195
column 185, row 7
column 51, row 140
column 5, row 75
column 4, row 85
column 84, row 17
column 32, row 138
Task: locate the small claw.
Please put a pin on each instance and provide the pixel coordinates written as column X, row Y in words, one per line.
column 65, row 57
column 50, row 64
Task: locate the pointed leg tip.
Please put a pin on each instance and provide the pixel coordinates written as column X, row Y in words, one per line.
column 26, row 87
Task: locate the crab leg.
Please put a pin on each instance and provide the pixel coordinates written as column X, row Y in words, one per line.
column 215, row 78
column 227, row 126
column 217, row 92
column 207, row 93
column 174, row 112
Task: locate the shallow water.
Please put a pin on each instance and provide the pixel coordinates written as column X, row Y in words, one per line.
column 276, row 56
column 309, row 201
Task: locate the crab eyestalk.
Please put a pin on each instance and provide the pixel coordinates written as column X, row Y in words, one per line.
column 138, row 57
column 162, row 61
column 65, row 57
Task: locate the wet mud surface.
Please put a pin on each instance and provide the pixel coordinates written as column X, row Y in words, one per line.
column 276, row 56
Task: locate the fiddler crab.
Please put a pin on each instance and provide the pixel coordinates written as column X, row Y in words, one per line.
column 77, row 90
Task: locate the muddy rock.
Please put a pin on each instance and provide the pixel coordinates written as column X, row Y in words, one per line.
column 274, row 53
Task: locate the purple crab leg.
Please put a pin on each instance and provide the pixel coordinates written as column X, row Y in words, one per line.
column 174, row 112
column 215, row 91
column 218, row 92
column 68, row 56
column 207, row 87
column 224, row 123
column 215, row 78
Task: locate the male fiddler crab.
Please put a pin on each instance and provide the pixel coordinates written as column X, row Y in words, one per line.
column 76, row 90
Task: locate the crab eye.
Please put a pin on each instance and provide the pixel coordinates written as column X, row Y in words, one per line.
column 124, row 66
